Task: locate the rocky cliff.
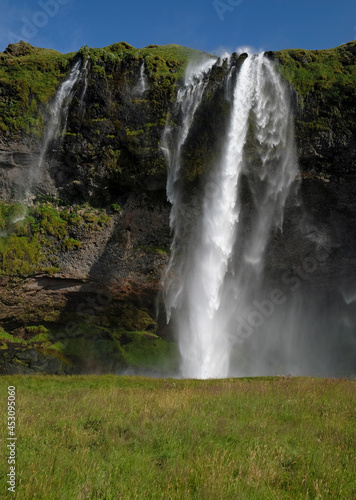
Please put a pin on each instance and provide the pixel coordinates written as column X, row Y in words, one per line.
column 83, row 251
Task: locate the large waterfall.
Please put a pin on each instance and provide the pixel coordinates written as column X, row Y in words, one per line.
column 213, row 284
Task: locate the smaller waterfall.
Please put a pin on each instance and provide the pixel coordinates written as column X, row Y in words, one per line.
column 141, row 86
column 57, row 122
column 59, row 110
column 85, row 74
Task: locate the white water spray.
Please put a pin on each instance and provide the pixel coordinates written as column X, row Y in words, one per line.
column 85, row 74
column 141, row 86
column 57, row 122
column 59, row 110
column 206, row 306
column 188, row 100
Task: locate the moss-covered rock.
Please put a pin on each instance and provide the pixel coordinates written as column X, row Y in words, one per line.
column 324, row 81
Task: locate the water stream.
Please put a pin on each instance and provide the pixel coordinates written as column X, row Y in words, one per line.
column 56, row 124
column 215, row 281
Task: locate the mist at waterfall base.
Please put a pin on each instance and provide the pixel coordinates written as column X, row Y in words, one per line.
column 232, row 316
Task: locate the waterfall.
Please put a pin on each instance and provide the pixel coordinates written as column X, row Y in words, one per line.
column 84, row 74
column 218, row 276
column 57, row 122
column 59, row 110
column 188, row 99
column 141, row 86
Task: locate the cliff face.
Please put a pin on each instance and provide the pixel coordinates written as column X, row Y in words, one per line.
column 325, row 127
column 81, row 266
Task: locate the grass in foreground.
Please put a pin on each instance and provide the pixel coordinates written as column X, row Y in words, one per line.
column 110, row 437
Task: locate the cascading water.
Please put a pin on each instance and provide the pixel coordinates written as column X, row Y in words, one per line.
column 217, row 277
column 188, row 100
column 84, row 74
column 141, row 86
column 57, row 121
column 59, row 110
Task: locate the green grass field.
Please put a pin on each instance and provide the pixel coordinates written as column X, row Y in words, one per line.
column 111, row 437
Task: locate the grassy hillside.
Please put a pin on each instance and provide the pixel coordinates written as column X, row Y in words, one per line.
column 113, row 437
column 311, row 70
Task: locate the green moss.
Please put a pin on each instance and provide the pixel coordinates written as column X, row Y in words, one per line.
column 133, row 133
column 95, row 219
column 149, row 126
column 20, row 256
column 10, row 214
column 70, row 244
column 99, row 70
column 31, row 237
column 116, row 208
column 42, row 337
column 6, row 336
column 48, row 220
column 146, row 350
column 328, row 70
column 131, row 319
column 57, row 346
column 36, row 330
column 39, row 334
column 28, row 78
column 104, row 348
column 325, row 83
column 154, row 249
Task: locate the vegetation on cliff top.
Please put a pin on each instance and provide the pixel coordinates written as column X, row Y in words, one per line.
column 326, row 84
column 162, row 61
column 29, row 76
column 315, row 70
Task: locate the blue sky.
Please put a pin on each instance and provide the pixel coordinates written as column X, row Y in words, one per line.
column 210, row 25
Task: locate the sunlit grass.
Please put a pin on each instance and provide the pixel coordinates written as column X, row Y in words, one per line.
column 109, row 437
